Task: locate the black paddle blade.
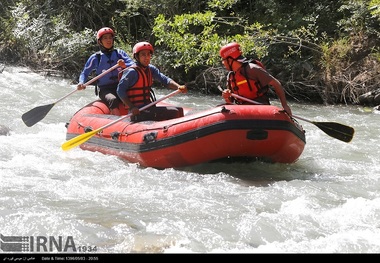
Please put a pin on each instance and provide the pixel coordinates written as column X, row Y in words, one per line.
column 336, row 130
column 36, row 114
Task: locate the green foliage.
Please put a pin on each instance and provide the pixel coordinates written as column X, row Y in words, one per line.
column 188, row 36
column 374, row 7
column 356, row 16
column 303, row 43
column 195, row 41
column 221, row 4
column 49, row 41
column 335, row 52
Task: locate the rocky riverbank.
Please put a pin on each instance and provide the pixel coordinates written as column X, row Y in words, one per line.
column 371, row 99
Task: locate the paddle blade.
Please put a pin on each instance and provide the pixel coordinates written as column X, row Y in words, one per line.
column 79, row 139
column 336, row 130
column 36, row 114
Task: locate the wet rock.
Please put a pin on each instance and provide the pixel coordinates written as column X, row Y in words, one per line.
column 376, row 99
column 4, row 130
column 371, row 98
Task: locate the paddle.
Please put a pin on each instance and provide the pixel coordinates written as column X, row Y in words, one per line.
column 86, row 136
column 333, row 129
column 36, row 114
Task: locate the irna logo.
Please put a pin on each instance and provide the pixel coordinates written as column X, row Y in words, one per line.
column 37, row 244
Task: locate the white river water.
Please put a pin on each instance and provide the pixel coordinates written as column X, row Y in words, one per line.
column 326, row 202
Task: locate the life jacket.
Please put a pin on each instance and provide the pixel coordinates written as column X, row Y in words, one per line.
column 243, row 86
column 105, row 63
column 141, row 92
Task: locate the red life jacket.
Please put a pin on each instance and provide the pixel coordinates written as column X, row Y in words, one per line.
column 241, row 85
column 141, row 93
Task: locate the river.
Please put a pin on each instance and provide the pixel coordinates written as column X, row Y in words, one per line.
column 326, row 202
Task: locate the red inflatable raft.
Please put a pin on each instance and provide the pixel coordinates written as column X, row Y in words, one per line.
column 257, row 132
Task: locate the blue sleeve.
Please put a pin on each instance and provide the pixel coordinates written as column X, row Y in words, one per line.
column 157, row 75
column 88, row 68
column 129, row 78
column 127, row 59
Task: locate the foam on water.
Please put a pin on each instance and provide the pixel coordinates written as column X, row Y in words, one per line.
column 326, row 202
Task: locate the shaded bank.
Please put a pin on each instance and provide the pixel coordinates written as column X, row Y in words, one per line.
column 322, row 51
column 371, row 98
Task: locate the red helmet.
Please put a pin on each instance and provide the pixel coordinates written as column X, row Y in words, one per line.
column 103, row 31
column 142, row 46
column 230, row 50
